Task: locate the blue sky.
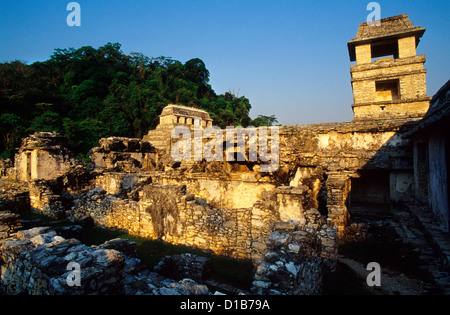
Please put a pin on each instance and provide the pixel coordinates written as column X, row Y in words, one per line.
column 289, row 58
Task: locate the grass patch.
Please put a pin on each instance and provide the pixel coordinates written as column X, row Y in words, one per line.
column 236, row 272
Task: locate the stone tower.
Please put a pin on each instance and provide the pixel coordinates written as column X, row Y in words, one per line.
column 389, row 79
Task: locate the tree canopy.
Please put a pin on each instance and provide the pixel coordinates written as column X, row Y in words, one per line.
column 89, row 93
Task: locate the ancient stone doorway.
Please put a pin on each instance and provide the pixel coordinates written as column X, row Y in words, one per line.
column 28, row 172
column 370, row 193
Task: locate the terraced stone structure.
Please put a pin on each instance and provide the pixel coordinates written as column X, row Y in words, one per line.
column 172, row 116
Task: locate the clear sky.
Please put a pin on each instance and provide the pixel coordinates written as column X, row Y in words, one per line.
column 288, row 57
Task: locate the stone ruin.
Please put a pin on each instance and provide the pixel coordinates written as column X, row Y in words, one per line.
column 36, row 262
column 43, row 155
column 288, row 221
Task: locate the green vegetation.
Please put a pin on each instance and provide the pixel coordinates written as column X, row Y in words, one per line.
column 90, row 93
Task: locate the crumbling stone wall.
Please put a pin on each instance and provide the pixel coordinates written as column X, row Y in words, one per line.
column 347, row 146
column 172, row 213
column 45, row 198
column 118, row 182
column 14, row 195
column 39, row 261
column 35, row 263
column 298, row 256
column 9, row 224
column 325, row 157
column 7, row 169
column 169, row 213
column 237, row 190
column 124, row 154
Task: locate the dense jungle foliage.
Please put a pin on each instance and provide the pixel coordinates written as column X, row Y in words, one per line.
column 89, row 93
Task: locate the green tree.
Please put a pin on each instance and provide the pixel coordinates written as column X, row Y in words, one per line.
column 262, row 120
column 11, row 131
column 48, row 121
column 88, row 93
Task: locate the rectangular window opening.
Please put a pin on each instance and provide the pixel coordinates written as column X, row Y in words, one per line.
column 383, row 50
column 387, row 90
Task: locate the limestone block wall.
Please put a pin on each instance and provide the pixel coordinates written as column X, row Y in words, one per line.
column 347, row 146
column 14, row 195
column 35, row 262
column 297, row 258
column 237, row 190
column 45, row 199
column 115, row 182
column 167, row 212
column 9, row 224
column 407, row 109
column 171, row 213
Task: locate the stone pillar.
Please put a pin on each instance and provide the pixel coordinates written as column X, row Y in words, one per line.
column 407, row 47
column 363, row 54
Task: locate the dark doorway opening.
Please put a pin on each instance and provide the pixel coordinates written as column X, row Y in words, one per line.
column 370, row 193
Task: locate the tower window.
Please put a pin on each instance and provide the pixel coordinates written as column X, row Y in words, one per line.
column 384, row 49
column 387, row 90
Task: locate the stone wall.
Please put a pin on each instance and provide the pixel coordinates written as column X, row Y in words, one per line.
column 9, row 224
column 169, row 213
column 47, row 261
column 14, row 195
column 36, row 261
column 347, row 146
column 7, row 170
column 298, row 256
column 234, row 190
column 45, row 198
column 172, row 213
column 124, row 154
